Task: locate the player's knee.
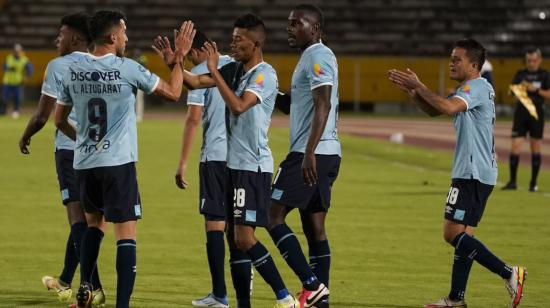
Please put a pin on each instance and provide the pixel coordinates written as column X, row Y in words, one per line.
column 244, row 243
column 449, row 237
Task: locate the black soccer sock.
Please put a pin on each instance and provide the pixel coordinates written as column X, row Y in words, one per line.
column 514, row 162
column 461, row 270
column 215, row 249
column 319, row 260
column 89, row 251
column 77, row 231
column 240, row 273
column 472, row 248
column 262, row 261
column 291, row 251
column 70, row 262
column 126, row 271
column 535, row 167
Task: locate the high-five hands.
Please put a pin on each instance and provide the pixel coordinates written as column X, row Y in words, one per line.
column 183, row 39
column 212, row 58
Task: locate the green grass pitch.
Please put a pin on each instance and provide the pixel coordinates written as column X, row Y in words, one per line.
column 385, row 227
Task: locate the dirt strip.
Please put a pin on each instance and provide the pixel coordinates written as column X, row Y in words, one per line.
column 427, row 133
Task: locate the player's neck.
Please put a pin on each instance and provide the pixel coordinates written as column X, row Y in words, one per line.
column 101, row 50
column 311, row 43
column 471, row 77
column 255, row 60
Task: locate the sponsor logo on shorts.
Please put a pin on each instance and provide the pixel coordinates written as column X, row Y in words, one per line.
column 137, row 210
column 65, row 194
column 459, row 215
column 202, row 203
column 276, row 194
column 448, row 209
column 237, row 213
column 250, row 216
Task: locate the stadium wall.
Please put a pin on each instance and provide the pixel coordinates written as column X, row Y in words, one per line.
column 362, row 78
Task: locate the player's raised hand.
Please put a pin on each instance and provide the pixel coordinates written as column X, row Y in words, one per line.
column 309, row 169
column 184, row 39
column 161, row 45
column 23, row 144
column 212, row 58
column 407, row 79
column 180, row 180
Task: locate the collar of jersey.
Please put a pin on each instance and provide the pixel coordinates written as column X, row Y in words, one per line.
column 101, row 57
column 253, row 68
column 318, row 43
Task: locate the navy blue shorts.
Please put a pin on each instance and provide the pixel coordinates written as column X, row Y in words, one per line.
column 66, row 176
column 111, row 190
column 525, row 123
column 466, row 201
column 212, row 190
column 247, row 197
column 290, row 190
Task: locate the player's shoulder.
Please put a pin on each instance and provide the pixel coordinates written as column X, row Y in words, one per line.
column 478, row 84
column 265, row 67
column 319, row 50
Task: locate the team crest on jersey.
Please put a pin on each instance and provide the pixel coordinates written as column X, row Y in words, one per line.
column 317, row 69
column 260, row 80
column 466, row 89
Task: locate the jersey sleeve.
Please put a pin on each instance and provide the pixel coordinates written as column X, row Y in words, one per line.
column 141, row 77
column 64, row 97
column 51, row 86
column 262, row 84
column 320, row 70
column 470, row 94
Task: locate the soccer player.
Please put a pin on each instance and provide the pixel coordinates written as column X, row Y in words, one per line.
column 72, row 44
column 306, row 176
column 474, row 168
column 101, row 87
column 208, row 103
column 249, row 88
column 537, row 81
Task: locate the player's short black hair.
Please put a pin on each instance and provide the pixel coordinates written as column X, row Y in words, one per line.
column 313, row 10
column 533, row 49
column 199, row 40
column 78, row 22
column 102, row 22
column 474, row 51
column 251, row 22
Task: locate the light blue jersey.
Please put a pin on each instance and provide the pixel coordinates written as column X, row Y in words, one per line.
column 475, row 145
column 214, row 141
column 247, row 147
column 317, row 67
column 102, row 92
column 52, row 87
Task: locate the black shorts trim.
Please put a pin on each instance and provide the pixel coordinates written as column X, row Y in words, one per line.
column 66, row 176
column 466, row 201
column 290, row 190
column 212, row 190
column 111, row 190
column 248, row 197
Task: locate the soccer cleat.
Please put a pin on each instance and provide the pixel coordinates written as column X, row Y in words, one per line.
column 210, row 301
column 515, row 284
column 63, row 293
column 310, row 298
column 84, row 296
column 510, row 186
column 98, row 298
column 446, row 302
column 287, row 302
column 533, row 187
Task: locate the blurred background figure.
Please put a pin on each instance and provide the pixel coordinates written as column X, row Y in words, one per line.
column 140, row 98
column 487, row 72
column 17, row 69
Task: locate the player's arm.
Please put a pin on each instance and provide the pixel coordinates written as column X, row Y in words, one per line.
column 410, row 81
column 545, row 93
column 192, row 121
column 321, row 109
column 236, row 104
column 417, row 99
column 38, row 120
column 62, row 120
